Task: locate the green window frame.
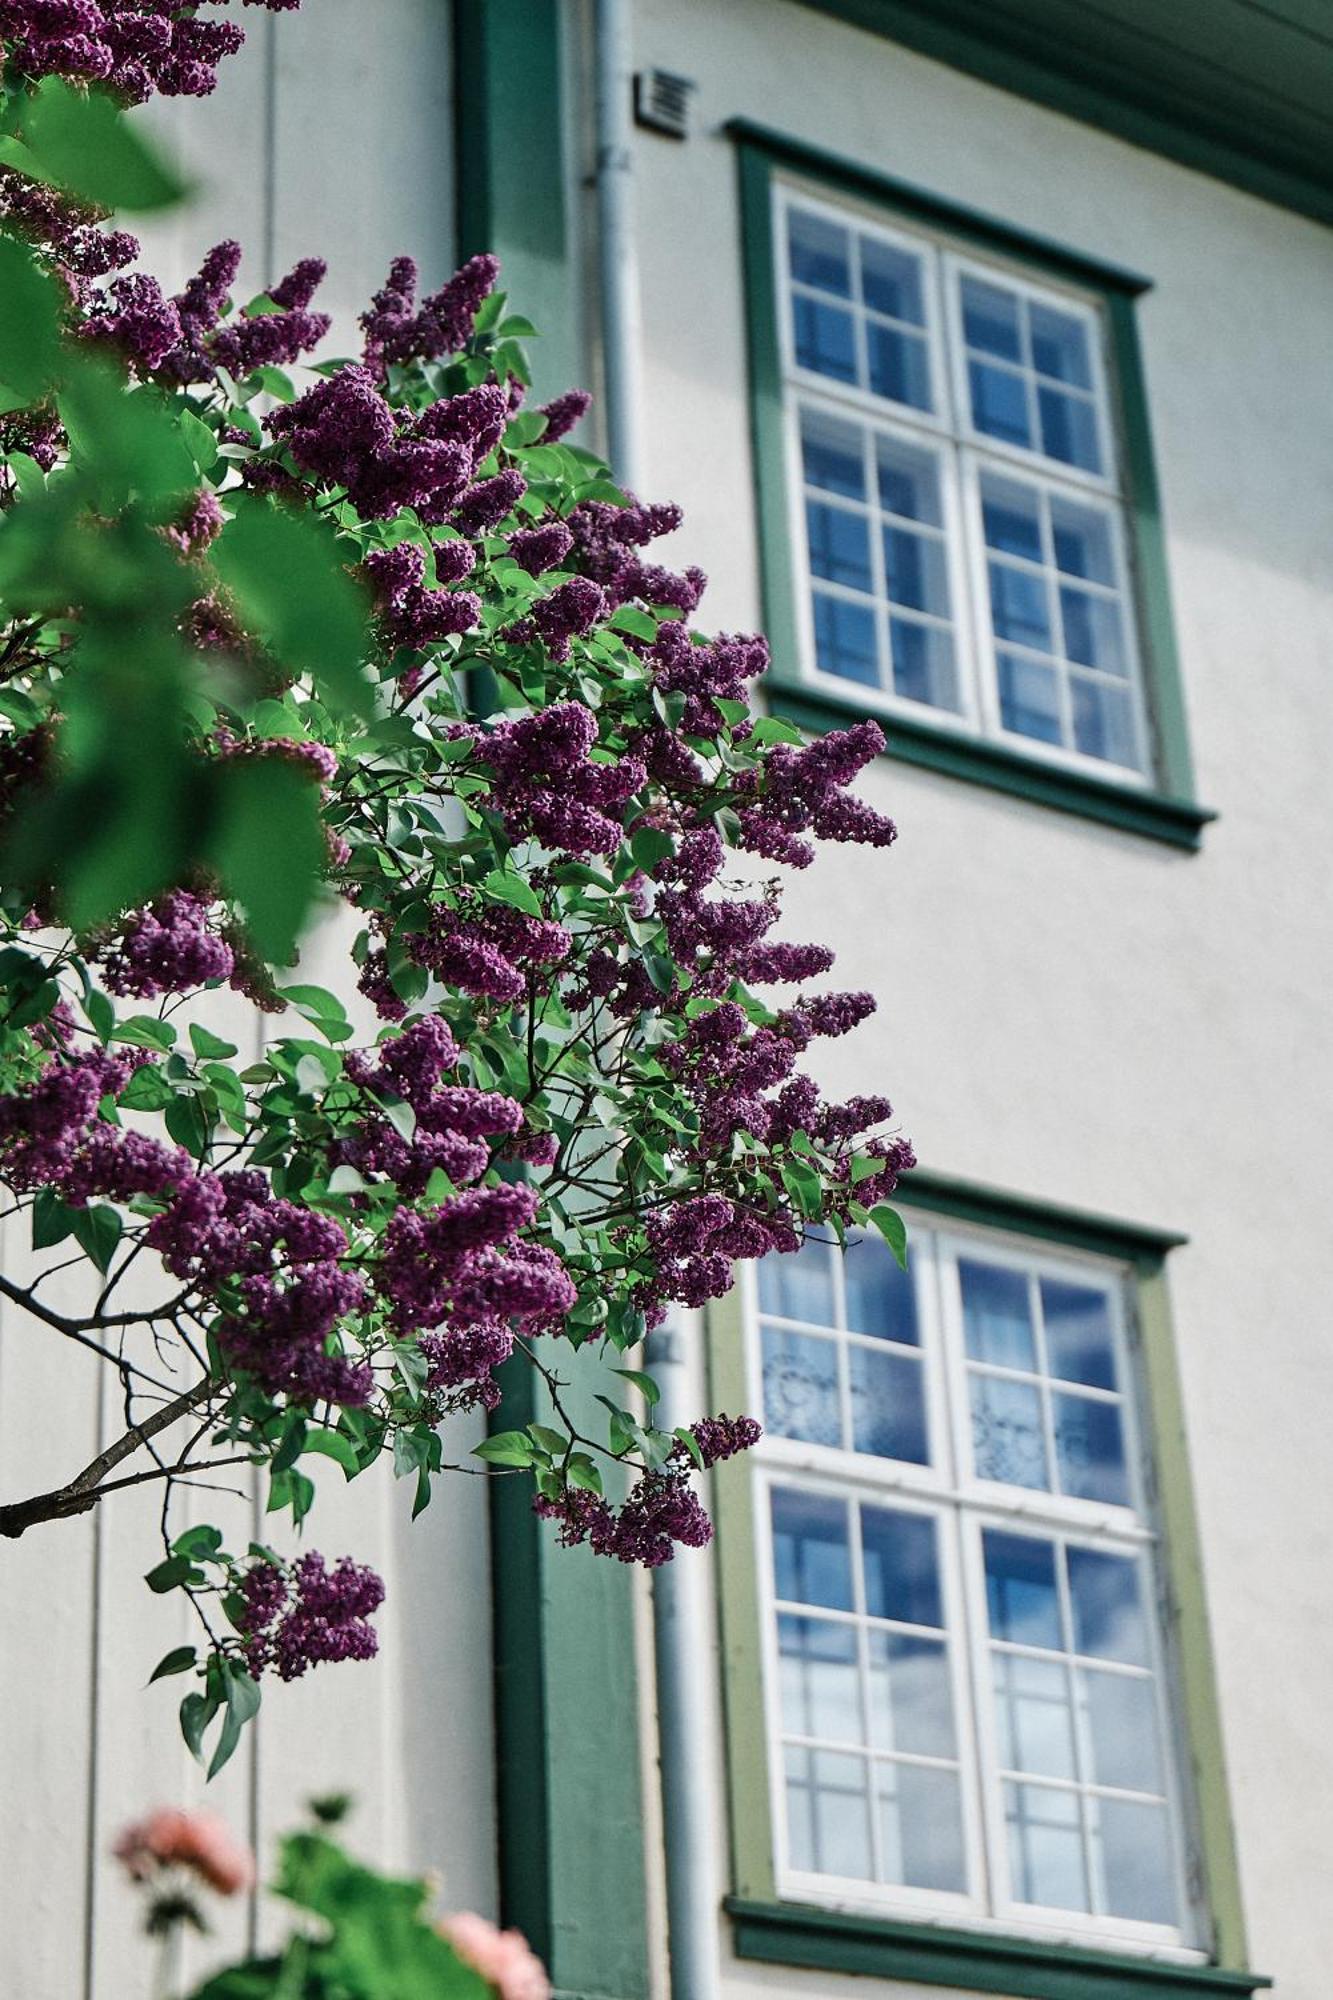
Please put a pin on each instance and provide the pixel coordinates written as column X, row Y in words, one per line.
column 1165, row 807
column 770, row 1927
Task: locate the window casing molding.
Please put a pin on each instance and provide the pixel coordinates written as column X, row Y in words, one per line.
column 1156, row 801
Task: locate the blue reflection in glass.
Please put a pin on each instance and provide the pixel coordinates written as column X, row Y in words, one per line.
column 845, row 640
column 1012, row 519
column 914, row 570
column 1079, row 1342
column 1029, row 698
column 999, row 403
column 880, row 1295
column 922, row 663
column 798, row 1284
column 908, row 482
column 818, row 250
column 1136, row 1861
column 1020, row 609
column 996, row 1316
column 1090, row 1449
column 832, row 456
column 1021, row 1593
column 1108, row 1607
column 1092, row 630
column 1007, row 1439
column 839, row 545
column 801, row 1386
column 901, row 1566
column 1060, row 346
column 990, row 319
column 899, row 365
column 825, row 342
column 1104, row 722
column 1068, row 429
column 1082, row 539
column 891, row 280
column 888, row 1405
column 812, row 1561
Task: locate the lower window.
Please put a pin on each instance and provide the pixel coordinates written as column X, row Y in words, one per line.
column 965, row 1691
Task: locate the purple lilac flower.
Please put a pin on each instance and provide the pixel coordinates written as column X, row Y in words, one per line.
column 297, row 1618
column 167, row 948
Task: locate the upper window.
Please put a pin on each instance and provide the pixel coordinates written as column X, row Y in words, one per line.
column 965, row 1694
column 962, row 544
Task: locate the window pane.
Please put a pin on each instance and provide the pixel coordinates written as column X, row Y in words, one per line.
column 1079, row 1343
column 1090, row 1449
column 888, row 1404
column 1068, row 429
column 921, row 1827
column 891, row 280
column 901, row 1568
column 801, row 1386
column 881, row 1297
column 832, row 455
column 911, row 1706
column 1108, row 1607
column 1136, row 1861
column 828, row 1814
column 999, row 402
column 825, row 342
column 820, row 1685
column 1104, row 722
column 1020, row 607
column 1029, row 698
column 923, row 663
column 1021, row 1595
column 1092, row 630
column 1046, row 1847
column 1082, row 538
column 845, row 642
column 1122, row 1730
column 798, row 1284
column 899, row 365
column 819, row 252
column 1034, row 1717
column 1060, row 345
column 915, row 570
column 1012, row 518
column 1007, row 1439
column 812, row 1563
column 839, row 545
column 997, row 1319
column 990, row 319
column 908, row 481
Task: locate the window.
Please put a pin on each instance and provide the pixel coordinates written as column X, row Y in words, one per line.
column 965, row 1693
column 961, row 534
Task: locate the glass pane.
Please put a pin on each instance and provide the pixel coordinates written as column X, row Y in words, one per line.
column 1104, row 722
column 999, row 403
column 812, row 1562
column 1012, row 518
column 1122, row 1730
column 1034, row 1717
column 997, row 1320
column 1082, row 541
column 1021, row 1595
column 888, row 1404
column 832, row 455
column 923, row 663
column 915, row 571
column 891, row 280
column 839, row 545
column 819, row 252
column 845, row 642
column 1094, row 634
column 801, row 1386
column 1068, row 429
column 1079, row 1342
column 990, row 319
column 821, row 1689
column 1029, row 698
column 1090, row 1449
column 1060, row 346
column 908, row 481
column 1020, row 606
column 921, row 1827
column 1007, row 1440
column 881, row 1297
column 1136, row 1861
column 825, row 342
column 1046, row 1847
column 828, row 1814
column 901, row 1567
column 1108, row 1607
column 798, row 1284
column 899, row 365
column 911, row 1706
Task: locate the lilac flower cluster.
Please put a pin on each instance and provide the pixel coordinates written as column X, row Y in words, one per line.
column 722, row 1437
column 661, row 1513
column 414, row 613
column 549, row 789
column 721, row 669
column 44, row 1126
column 487, row 949
column 302, row 1616
column 67, row 229
column 399, row 331
column 133, row 47
column 169, row 947
column 607, row 539
column 451, row 1122
column 182, row 339
column 466, row 1262
column 805, row 791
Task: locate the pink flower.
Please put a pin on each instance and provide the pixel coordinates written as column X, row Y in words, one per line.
column 501, row 1957
column 198, row 1840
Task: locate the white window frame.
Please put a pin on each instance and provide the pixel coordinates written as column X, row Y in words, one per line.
column 962, row 453
column 963, row 1505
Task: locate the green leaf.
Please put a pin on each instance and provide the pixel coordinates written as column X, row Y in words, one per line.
column 97, row 1231
column 893, row 1229
column 332, row 1444
column 512, row 889
column 645, row 1384
column 242, row 1700
column 169, row 1574
column 286, row 573
column 196, row 1712
column 269, row 848
column 554, row 1442
column 52, row 1222
column 506, row 1448
column 199, row 439
column 583, row 1473
column 639, row 624
column 143, row 1031
column 204, row 1043
column 82, row 142
column 29, row 323
column 178, row 1661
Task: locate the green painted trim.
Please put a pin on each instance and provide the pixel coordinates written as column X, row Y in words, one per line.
column 1148, row 111
column 829, row 1941
column 1136, row 1243
column 1169, row 815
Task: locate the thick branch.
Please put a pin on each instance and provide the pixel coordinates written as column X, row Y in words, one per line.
column 82, row 1492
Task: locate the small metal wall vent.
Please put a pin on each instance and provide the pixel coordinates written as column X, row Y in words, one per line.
column 662, row 102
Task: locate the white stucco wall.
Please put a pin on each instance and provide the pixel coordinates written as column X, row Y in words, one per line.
column 1065, row 1010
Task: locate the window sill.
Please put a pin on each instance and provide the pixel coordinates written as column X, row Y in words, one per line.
column 830, row 1941
column 1151, row 815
